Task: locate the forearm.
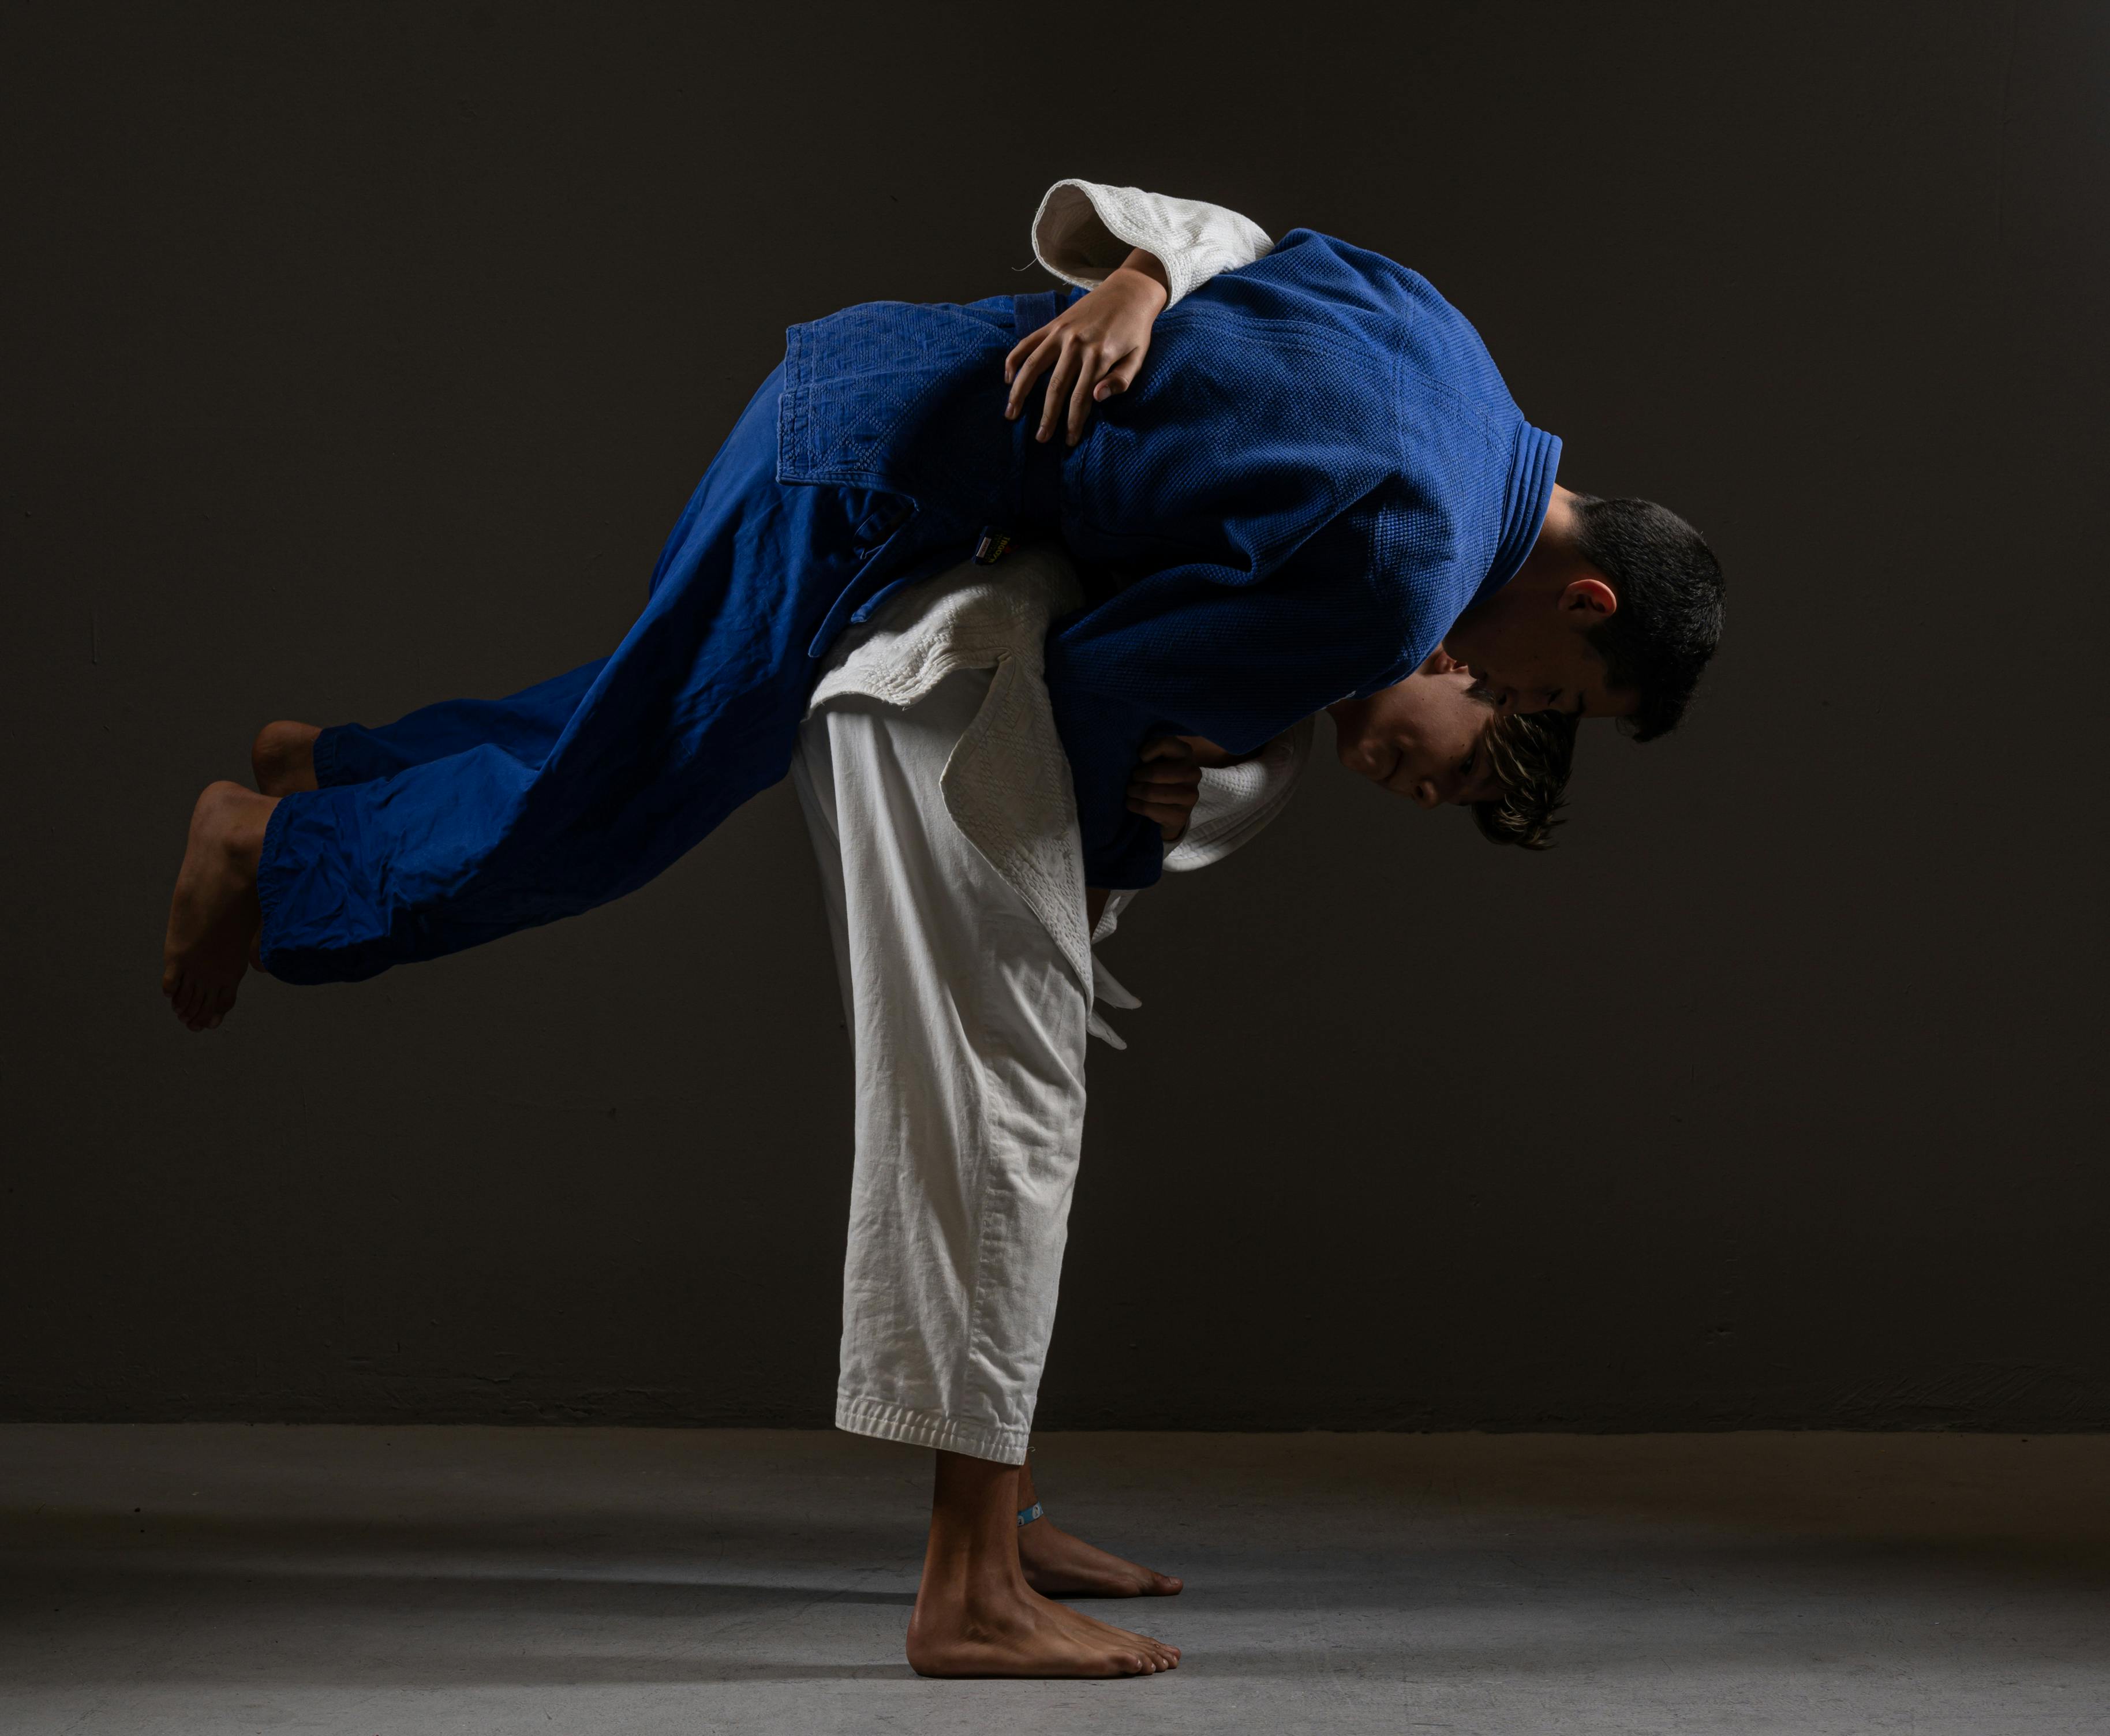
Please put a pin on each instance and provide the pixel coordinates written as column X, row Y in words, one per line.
column 1147, row 265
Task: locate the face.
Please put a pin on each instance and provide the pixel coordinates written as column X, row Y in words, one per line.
column 1422, row 738
column 1525, row 656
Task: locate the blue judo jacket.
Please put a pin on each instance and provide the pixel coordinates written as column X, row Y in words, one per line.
column 1317, row 470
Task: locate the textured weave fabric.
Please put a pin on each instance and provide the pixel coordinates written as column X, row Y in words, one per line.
column 1317, row 469
column 1005, row 785
column 1236, row 802
column 471, row 818
column 1084, row 230
column 968, row 1031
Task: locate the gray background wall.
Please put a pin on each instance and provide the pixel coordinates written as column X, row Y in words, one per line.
column 362, row 357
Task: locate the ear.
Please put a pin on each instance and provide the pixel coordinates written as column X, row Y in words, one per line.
column 1589, row 597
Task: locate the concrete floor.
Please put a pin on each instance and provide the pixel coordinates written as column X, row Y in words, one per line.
column 435, row 1580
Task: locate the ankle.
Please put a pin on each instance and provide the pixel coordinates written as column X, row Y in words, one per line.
column 973, row 1547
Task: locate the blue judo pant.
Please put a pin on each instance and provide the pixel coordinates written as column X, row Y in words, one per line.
column 471, row 819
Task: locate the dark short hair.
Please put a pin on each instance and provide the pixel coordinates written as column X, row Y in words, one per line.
column 1530, row 755
column 1669, row 617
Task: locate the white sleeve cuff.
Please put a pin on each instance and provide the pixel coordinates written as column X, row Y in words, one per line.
column 1083, row 231
column 1237, row 801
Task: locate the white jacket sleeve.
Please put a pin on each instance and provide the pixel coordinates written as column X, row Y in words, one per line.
column 1083, row 231
column 1237, row 801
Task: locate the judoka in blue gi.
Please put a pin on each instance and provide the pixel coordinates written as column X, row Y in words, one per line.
column 1317, row 489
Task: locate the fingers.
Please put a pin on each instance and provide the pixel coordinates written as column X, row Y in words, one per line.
column 1023, row 348
column 1090, row 373
column 1171, row 821
column 1119, row 377
column 1081, row 372
column 1032, row 358
column 1172, row 816
column 1166, row 784
column 1163, row 783
column 1169, row 804
column 1061, row 383
column 1093, row 348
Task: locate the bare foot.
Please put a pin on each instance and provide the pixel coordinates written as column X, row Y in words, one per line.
column 283, row 758
column 1058, row 1565
column 974, row 1613
column 213, row 918
column 1012, row 1630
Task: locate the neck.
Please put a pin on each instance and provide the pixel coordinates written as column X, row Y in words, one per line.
column 1553, row 559
column 1559, row 527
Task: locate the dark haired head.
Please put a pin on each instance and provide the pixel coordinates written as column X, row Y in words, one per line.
column 1669, row 617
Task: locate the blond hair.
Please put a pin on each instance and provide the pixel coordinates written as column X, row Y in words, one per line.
column 1530, row 756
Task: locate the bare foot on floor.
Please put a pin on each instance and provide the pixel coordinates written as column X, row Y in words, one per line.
column 213, row 918
column 1014, row 1631
column 1060, row 1566
column 283, row 758
column 974, row 1613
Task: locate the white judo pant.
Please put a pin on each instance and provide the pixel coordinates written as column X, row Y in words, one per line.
column 969, row 1031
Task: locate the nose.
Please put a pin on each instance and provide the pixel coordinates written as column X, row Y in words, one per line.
column 1425, row 794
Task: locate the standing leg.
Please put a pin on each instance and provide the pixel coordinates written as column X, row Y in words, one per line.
column 968, row 1027
column 974, row 1613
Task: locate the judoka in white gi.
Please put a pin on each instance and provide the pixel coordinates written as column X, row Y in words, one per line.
column 938, row 799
